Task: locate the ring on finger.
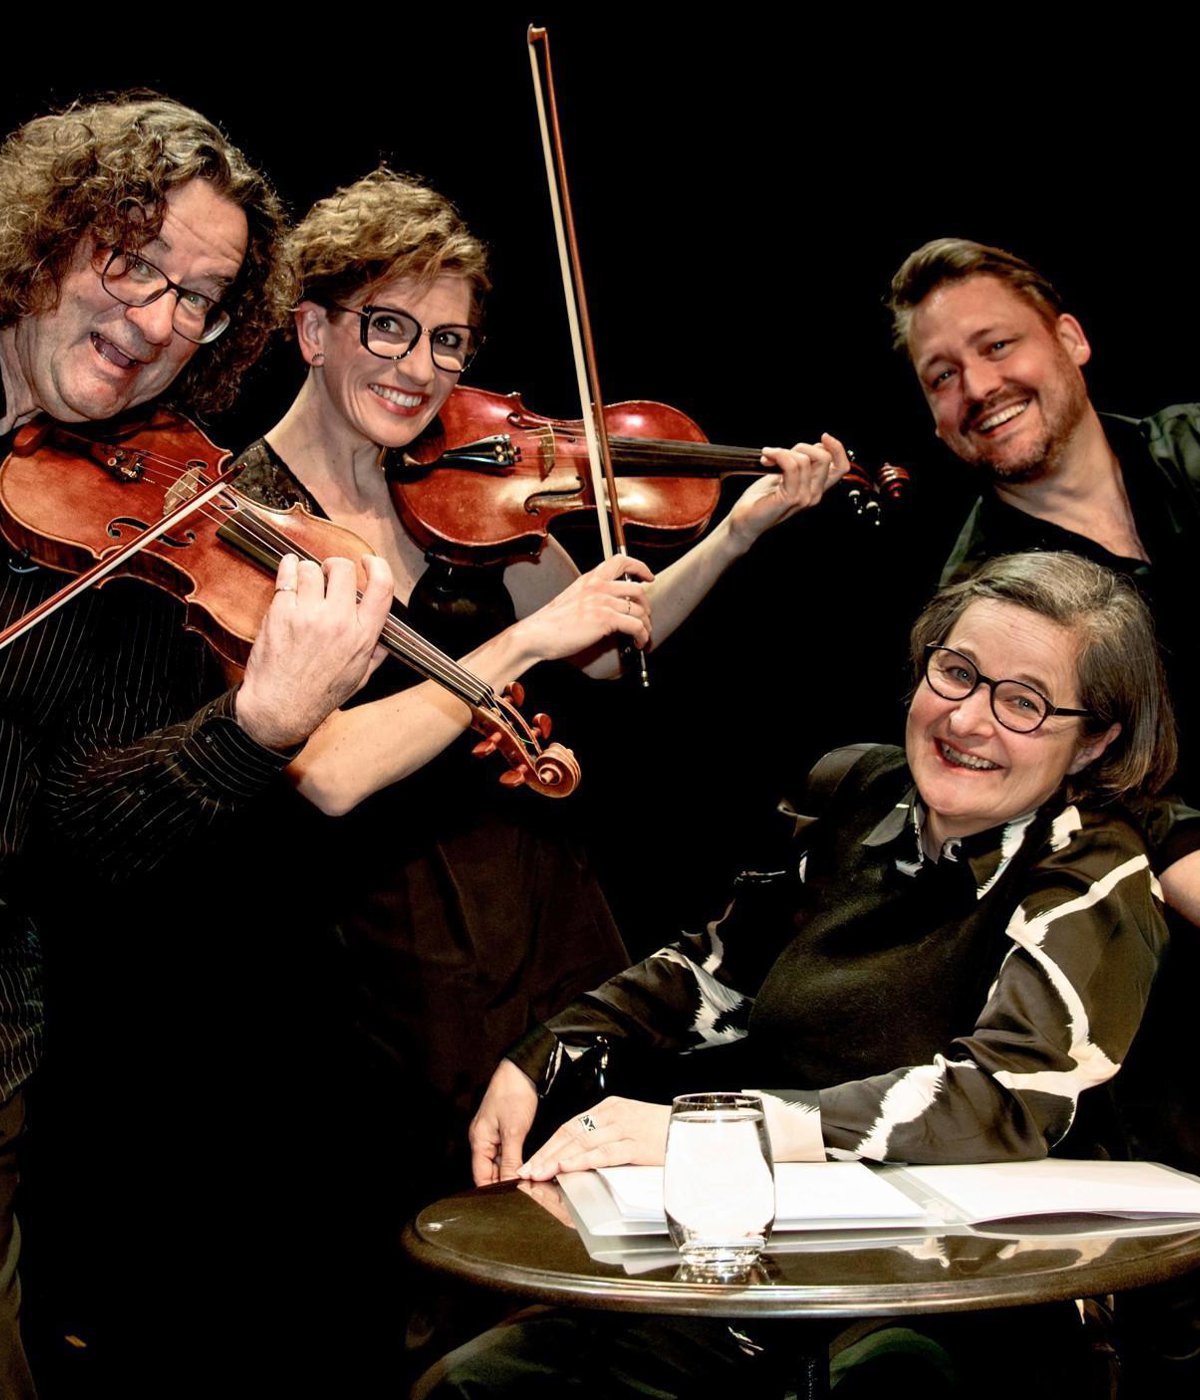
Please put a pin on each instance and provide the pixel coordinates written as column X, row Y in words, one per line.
column 587, row 1123
column 285, row 588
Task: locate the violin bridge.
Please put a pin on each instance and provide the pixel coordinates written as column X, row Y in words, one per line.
column 547, row 450
column 186, row 485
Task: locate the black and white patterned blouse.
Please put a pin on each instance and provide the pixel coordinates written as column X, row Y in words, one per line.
column 912, row 1009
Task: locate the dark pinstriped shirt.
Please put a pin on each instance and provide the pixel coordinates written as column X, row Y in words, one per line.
column 39, row 678
column 88, row 742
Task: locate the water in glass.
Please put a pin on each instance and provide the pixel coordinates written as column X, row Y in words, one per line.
column 718, row 1181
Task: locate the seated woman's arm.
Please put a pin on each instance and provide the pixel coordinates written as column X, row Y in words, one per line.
column 1059, row 1018
column 693, row 993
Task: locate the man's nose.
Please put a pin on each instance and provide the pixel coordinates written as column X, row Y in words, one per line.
column 980, row 379
column 155, row 321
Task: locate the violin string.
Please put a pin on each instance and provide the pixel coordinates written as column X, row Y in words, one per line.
column 634, row 448
column 141, row 456
column 401, row 639
column 649, row 451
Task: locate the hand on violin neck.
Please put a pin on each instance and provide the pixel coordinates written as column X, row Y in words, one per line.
column 804, row 473
column 316, row 646
column 607, row 602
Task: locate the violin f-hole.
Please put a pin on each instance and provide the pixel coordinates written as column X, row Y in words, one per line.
column 120, row 523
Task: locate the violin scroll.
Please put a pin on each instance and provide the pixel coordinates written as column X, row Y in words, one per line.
column 869, row 493
column 551, row 771
column 892, row 481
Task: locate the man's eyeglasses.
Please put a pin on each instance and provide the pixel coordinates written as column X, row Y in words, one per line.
column 130, row 279
column 392, row 334
column 1017, row 706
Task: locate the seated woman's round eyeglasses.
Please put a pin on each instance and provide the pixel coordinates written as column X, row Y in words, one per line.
column 1017, row 706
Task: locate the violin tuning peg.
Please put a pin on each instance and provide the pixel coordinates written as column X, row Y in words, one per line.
column 893, row 480
column 484, row 747
column 516, row 693
column 543, row 724
column 513, row 777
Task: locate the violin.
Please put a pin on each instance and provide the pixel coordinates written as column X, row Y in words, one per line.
column 489, row 476
column 151, row 500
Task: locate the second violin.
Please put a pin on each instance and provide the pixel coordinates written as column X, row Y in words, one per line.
column 490, row 476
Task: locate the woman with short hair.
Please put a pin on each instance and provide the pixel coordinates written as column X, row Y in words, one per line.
column 959, row 949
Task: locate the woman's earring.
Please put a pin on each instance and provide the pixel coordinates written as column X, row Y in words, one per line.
column 318, row 360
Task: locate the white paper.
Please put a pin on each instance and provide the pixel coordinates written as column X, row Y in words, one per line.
column 808, row 1195
column 824, row 1196
column 1058, row 1186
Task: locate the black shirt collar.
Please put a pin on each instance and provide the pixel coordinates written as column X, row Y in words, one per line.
column 987, row 853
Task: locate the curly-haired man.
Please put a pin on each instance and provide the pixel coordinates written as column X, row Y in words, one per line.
column 138, row 259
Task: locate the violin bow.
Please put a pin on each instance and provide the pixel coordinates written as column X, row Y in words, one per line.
column 604, row 484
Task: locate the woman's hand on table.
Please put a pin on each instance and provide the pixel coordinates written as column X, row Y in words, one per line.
column 498, row 1131
column 614, row 1133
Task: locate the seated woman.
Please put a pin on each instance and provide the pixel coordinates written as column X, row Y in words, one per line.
column 965, row 945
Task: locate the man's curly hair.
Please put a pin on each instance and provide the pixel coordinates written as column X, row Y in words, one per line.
column 102, row 171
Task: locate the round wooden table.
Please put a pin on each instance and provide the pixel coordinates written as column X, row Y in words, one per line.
column 503, row 1238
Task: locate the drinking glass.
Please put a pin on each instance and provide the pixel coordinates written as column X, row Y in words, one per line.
column 719, row 1180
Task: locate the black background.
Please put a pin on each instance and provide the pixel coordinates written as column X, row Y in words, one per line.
column 744, row 190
